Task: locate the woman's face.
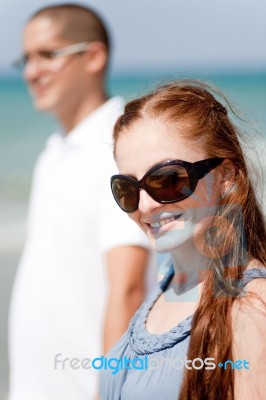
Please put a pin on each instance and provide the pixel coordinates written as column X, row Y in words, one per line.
column 168, row 226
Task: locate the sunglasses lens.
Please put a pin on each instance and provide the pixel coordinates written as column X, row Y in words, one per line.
column 168, row 184
column 125, row 194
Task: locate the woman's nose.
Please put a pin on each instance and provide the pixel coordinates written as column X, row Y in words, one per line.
column 146, row 203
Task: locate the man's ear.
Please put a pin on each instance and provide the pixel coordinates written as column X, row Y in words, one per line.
column 97, row 57
column 228, row 171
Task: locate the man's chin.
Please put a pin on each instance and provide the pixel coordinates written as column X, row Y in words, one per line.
column 43, row 105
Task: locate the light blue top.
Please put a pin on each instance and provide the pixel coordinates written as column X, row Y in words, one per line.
column 156, row 379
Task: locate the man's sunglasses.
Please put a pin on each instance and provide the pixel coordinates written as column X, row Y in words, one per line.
column 167, row 182
column 46, row 57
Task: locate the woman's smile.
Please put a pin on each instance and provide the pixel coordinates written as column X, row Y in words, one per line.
column 162, row 223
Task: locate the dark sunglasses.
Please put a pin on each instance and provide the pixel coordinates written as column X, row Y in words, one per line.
column 167, row 182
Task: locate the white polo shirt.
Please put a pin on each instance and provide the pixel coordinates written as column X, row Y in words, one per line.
column 59, row 292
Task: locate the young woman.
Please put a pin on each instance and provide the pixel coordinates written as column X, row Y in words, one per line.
column 184, row 181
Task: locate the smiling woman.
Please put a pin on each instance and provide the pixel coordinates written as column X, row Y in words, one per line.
column 184, row 180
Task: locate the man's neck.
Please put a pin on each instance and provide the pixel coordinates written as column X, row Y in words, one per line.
column 72, row 117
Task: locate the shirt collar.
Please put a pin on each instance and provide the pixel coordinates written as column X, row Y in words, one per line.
column 101, row 121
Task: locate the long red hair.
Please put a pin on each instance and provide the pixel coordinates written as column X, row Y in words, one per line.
column 208, row 125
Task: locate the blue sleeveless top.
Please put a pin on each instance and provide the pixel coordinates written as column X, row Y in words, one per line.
column 150, row 366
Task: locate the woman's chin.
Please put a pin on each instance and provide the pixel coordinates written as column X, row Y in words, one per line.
column 167, row 242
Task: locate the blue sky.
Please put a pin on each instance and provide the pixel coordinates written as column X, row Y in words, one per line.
column 228, row 34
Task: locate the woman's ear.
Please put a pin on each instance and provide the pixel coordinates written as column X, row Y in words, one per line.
column 228, row 171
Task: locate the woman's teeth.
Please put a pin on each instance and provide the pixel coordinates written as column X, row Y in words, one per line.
column 158, row 224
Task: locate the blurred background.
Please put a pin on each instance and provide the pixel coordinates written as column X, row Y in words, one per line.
column 153, row 42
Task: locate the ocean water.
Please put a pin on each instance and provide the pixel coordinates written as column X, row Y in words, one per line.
column 23, row 133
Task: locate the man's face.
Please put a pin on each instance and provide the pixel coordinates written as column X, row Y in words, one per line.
column 56, row 85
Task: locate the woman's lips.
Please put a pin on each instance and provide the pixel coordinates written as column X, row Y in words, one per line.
column 161, row 225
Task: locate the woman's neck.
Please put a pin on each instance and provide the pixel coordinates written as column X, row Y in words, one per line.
column 190, row 268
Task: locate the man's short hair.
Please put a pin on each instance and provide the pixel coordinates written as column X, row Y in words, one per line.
column 79, row 23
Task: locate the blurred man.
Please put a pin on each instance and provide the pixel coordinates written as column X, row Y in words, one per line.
column 75, row 227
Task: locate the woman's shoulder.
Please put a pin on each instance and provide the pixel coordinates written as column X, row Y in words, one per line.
column 249, row 331
column 254, row 280
column 253, row 284
column 257, row 283
column 249, row 308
